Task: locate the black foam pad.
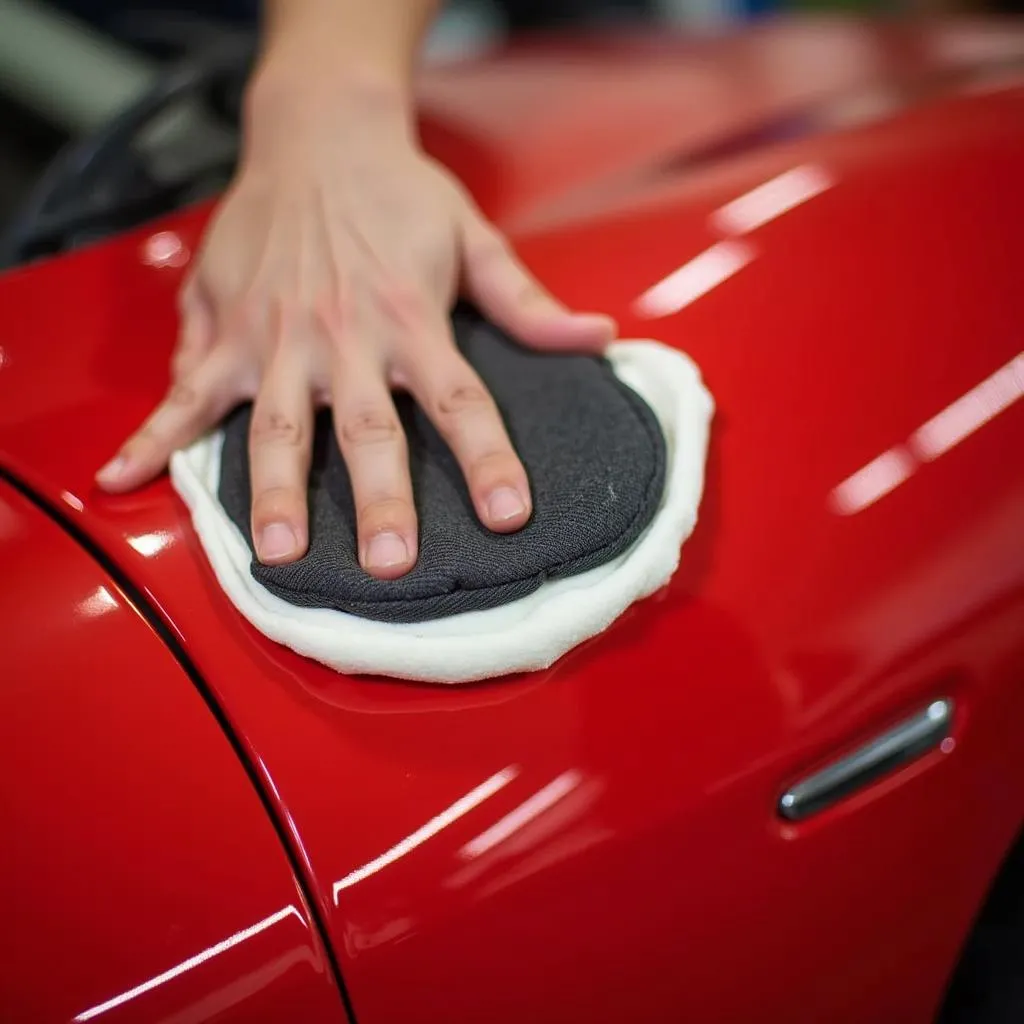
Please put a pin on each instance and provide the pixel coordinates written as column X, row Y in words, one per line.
column 593, row 451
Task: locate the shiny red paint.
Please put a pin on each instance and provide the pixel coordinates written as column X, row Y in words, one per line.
column 143, row 879
column 599, row 841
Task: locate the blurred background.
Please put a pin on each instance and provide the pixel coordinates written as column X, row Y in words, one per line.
column 67, row 67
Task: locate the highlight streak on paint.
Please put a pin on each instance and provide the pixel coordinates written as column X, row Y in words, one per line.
column 188, row 965
column 462, row 806
column 522, row 815
column 873, row 481
column 970, row 411
column 772, row 199
column 961, row 418
column 693, row 279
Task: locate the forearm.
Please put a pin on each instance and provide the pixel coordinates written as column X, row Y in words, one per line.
column 336, row 52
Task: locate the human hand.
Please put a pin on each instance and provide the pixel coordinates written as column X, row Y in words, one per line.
column 326, row 278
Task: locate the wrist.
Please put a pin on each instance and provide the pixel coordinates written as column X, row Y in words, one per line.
column 373, row 41
column 293, row 103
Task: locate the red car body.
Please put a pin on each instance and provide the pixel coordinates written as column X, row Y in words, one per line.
column 200, row 825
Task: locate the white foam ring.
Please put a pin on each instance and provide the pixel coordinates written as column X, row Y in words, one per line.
column 525, row 635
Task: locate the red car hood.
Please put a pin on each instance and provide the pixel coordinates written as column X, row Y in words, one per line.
column 482, row 853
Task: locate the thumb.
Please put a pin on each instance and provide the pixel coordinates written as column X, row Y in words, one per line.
column 508, row 294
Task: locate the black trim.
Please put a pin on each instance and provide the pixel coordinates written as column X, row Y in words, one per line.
column 150, row 614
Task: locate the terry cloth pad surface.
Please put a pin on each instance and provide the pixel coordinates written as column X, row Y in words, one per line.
column 594, row 455
column 531, row 631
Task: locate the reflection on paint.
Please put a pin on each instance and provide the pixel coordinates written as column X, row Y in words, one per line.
column 872, row 482
column 72, row 501
column 738, row 217
column 188, row 965
column 526, row 812
column 772, row 199
column 971, row 411
column 462, row 806
column 944, row 431
column 149, row 544
column 694, row 279
column 99, row 602
column 165, row 249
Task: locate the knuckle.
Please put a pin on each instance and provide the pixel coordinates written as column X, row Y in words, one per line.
column 495, row 466
column 190, row 399
column 385, row 513
column 461, row 398
column 276, row 428
column 370, row 427
column 188, row 402
column 498, row 459
column 182, row 395
column 271, row 504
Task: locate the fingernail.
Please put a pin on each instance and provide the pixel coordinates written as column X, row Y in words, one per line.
column 386, row 550
column 505, row 504
column 113, row 470
column 277, row 541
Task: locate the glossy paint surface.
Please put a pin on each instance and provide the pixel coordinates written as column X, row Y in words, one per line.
column 599, row 841
column 143, row 880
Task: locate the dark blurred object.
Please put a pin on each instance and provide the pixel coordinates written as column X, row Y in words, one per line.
column 110, row 14
column 520, row 14
column 136, row 167
column 28, row 145
column 538, row 14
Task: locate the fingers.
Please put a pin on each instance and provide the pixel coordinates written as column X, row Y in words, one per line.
column 192, row 405
column 458, row 403
column 507, row 293
column 373, row 445
column 280, row 443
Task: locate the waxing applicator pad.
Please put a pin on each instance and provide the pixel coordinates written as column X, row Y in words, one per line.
column 614, row 449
